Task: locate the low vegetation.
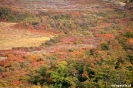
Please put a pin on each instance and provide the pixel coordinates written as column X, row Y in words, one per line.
column 91, row 48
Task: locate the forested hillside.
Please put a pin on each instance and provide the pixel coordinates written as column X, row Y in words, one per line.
column 66, row 43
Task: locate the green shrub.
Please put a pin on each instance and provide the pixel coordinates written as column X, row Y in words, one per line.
column 5, row 12
column 50, row 42
column 8, row 15
column 130, row 58
column 104, row 46
column 67, row 17
column 128, row 34
column 12, row 18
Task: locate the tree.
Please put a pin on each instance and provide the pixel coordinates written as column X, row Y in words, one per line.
column 59, row 74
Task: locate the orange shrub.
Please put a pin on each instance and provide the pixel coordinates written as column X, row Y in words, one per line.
column 34, row 57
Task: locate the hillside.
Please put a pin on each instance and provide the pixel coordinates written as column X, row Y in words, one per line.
column 66, row 44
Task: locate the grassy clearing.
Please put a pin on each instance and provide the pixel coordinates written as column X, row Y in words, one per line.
column 10, row 38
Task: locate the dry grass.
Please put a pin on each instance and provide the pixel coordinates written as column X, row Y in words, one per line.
column 10, row 37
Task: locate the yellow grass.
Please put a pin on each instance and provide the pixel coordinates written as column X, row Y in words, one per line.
column 10, row 38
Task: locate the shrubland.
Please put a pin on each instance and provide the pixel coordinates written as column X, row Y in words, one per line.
column 90, row 50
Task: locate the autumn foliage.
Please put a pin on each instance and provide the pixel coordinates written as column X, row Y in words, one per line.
column 91, row 47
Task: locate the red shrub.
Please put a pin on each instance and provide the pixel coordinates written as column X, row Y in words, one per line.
column 67, row 40
column 106, row 36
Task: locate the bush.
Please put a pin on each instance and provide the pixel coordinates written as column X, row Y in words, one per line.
column 130, row 0
column 5, row 12
column 130, row 58
column 128, row 34
column 104, row 46
column 12, row 18
column 67, row 17
column 50, row 42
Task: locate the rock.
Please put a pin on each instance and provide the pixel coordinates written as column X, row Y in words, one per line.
column 3, row 58
column 121, row 3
